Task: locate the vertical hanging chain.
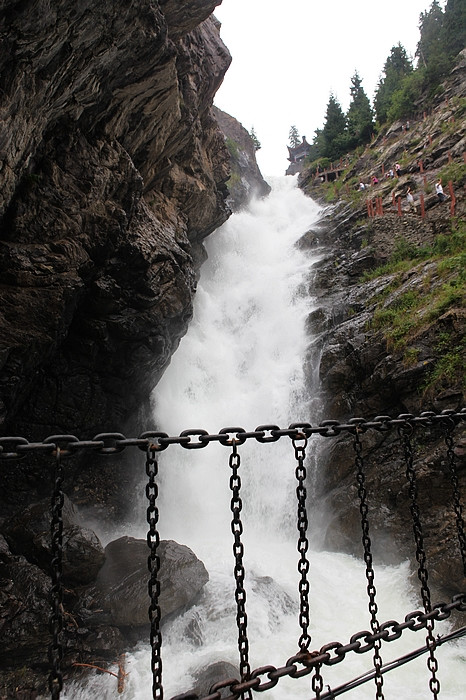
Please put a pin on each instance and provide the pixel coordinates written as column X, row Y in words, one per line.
column 153, row 563
column 303, row 543
column 317, row 683
column 449, row 428
column 238, row 551
column 299, row 444
column 423, row 575
column 56, row 591
column 366, row 541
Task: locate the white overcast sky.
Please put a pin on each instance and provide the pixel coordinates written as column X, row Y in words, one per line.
column 288, row 57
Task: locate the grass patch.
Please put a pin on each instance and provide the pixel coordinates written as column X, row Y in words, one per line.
column 407, row 313
column 456, row 172
column 449, row 368
column 233, row 147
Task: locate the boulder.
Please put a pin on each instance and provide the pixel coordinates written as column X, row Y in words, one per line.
column 24, row 610
column 214, row 673
column 28, row 534
column 121, row 588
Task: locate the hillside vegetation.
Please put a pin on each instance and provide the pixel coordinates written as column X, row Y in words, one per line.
column 405, row 267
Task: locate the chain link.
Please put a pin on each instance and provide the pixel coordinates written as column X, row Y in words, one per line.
column 423, row 575
column 112, row 443
column 238, row 551
column 370, row 575
column 317, row 683
column 153, row 563
column 449, row 428
column 56, row 590
column 303, row 543
column 15, row 448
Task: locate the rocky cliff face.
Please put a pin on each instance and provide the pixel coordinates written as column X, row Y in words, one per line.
column 393, row 342
column 245, row 180
column 113, row 171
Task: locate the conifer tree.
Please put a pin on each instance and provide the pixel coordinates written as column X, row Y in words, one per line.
column 442, row 38
column 255, row 140
column 294, row 137
column 454, row 26
column 396, row 67
column 334, row 131
column 359, row 116
column 430, row 26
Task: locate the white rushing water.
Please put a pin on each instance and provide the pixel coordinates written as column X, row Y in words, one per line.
column 241, row 364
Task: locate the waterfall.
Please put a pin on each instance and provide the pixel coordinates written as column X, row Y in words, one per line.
column 241, row 365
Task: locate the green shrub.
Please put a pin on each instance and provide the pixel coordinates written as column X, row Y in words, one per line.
column 456, row 172
column 232, row 146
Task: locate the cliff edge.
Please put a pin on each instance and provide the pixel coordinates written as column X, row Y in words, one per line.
column 113, row 172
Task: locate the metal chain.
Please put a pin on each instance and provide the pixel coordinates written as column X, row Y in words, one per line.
column 317, row 683
column 449, row 428
column 335, row 652
column 153, row 563
column 370, row 575
column 56, row 590
column 303, row 543
column 13, row 448
column 423, row 575
column 238, row 551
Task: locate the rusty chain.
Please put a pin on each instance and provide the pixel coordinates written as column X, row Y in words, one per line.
column 56, row 590
column 367, row 545
column 330, row 654
column 422, row 572
column 238, row 552
column 16, row 448
column 458, row 508
column 299, row 444
column 12, row 447
column 153, row 564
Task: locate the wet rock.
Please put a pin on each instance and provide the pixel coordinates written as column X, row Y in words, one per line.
column 24, row 611
column 28, row 534
column 214, row 673
column 114, row 172
column 121, row 587
column 246, row 180
column 279, row 603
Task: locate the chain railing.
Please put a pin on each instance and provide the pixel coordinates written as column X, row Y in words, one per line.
column 304, row 662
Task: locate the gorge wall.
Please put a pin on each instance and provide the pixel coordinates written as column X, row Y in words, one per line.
column 113, row 172
column 390, row 339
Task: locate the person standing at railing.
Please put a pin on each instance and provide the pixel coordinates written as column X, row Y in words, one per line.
column 410, row 199
column 439, row 190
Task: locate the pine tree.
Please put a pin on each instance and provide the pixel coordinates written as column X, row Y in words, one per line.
column 396, row 67
column 334, row 131
column 454, row 26
column 294, row 137
column 430, row 45
column 255, row 140
column 359, row 116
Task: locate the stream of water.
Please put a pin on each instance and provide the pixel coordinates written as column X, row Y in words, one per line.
column 241, row 364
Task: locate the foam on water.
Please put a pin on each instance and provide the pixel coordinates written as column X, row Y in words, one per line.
column 241, row 364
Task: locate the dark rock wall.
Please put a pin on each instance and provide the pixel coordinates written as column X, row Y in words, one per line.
column 245, row 180
column 113, row 171
column 362, row 372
